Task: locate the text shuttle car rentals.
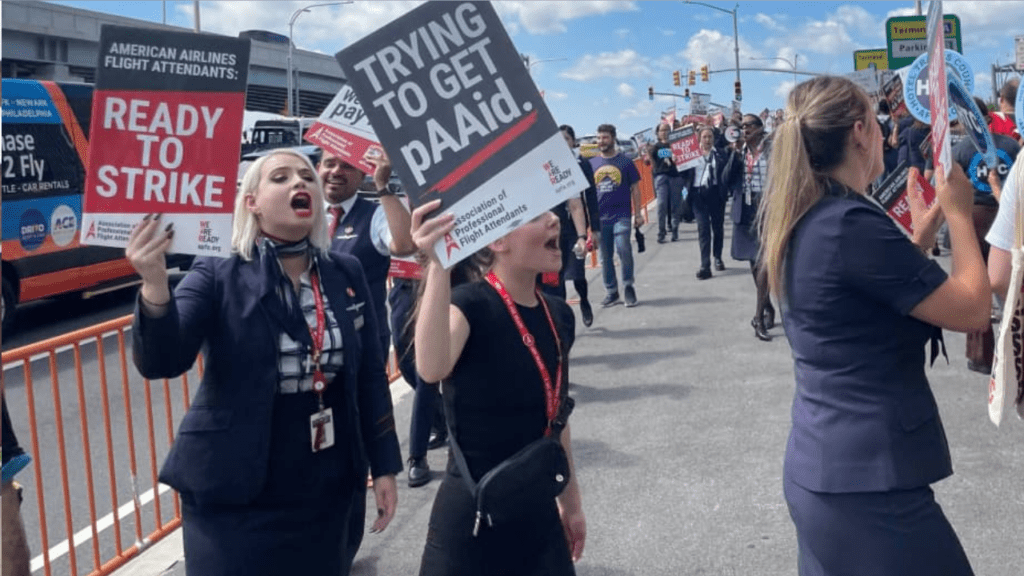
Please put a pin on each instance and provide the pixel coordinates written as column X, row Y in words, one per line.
column 45, row 145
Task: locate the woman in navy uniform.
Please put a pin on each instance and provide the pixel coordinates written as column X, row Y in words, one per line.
column 294, row 400
column 861, row 303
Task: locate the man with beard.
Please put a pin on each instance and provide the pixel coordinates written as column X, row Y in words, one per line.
column 618, row 198
column 372, row 233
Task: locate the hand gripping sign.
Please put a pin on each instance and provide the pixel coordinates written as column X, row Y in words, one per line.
column 166, row 135
column 449, row 98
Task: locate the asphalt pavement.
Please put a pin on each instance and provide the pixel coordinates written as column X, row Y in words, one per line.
column 679, row 432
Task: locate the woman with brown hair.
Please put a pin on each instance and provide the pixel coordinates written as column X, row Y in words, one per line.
column 860, row 303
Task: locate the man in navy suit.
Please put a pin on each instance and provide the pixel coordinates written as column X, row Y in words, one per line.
column 372, row 233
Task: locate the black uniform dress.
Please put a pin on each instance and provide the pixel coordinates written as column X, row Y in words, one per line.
column 499, row 401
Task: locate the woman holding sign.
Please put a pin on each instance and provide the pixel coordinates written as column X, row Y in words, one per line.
column 861, row 301
column 500, row 348
column 294, row 399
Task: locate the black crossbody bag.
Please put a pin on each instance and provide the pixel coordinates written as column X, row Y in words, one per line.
column 531, row 478
column 522, row 483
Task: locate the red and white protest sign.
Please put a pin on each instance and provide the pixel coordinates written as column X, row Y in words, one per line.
column 165, row 137
column 344, row 130
column 892, row 193
column 685, row 145
column 938, row 97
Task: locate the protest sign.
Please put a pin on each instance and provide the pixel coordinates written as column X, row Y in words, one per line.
column 685, row 146
column 449, row 98
column 892, row 87
column 891, row 194
column 699, row 104
column 165, row 137
column 867, row 79
column 916, row 84
column 344, row 130
column 972, row 120
column 938, row 91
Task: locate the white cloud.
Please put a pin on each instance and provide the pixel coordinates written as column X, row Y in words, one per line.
column 622, row 64
column 783, row 89
column 332, row 26
column 337, row 26
column 552, row 95
column 626, row 90
column 714, row 48
column 983, row 85
column 667, row 32
column 550, row 17
column 622, row 32
column 768, row 22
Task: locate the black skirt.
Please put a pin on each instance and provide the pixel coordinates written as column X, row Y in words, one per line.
column 535, row 546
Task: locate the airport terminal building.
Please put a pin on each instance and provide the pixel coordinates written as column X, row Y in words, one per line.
column 44, row 41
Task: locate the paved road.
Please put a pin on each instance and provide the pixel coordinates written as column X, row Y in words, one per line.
column 679, row 433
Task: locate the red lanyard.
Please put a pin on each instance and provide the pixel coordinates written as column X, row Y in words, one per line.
column 317, row 335
column 550, row 392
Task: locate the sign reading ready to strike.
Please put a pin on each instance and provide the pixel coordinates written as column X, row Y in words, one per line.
column 166, row 127
column 451, row 101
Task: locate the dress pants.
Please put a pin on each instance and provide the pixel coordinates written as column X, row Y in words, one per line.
column 709, row 209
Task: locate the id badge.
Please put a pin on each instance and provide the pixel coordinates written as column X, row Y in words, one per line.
column 321, row 429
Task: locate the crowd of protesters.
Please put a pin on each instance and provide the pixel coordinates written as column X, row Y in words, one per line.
column 293, row 412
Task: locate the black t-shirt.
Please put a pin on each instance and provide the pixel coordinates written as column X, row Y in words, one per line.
column 497, row 389
column 661, row 160
column 967, row 156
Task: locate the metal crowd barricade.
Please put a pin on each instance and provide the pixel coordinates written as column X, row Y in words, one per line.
column 77, row 366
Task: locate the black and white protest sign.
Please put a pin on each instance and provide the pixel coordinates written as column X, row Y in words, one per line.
column 452, row 103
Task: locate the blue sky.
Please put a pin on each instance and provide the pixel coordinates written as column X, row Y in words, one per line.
column 595, row 60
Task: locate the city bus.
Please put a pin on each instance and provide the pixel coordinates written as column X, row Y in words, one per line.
column 45, row 153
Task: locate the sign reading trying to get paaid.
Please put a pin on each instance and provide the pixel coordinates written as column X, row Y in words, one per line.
column 453, row 105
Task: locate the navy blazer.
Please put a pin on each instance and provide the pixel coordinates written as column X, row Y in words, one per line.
column 864, row 417
column 227, row 306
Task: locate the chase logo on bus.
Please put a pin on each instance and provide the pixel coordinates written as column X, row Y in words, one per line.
column 32, row 229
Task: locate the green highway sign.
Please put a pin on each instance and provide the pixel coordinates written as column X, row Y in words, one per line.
column 906, row 38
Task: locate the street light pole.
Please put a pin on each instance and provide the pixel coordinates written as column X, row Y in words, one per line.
column 735, row 31
column 792, row 64
column 292, row 101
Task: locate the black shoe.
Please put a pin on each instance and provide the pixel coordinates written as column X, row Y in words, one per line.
column 675, row 235
column 437, row 440
column 661, row 239
column 760, row 331
column 769, row 317
column 719, row 265
column 630, row 297
column 610, row 300
column 703, row 273
column 587, row 313
column 419, row 472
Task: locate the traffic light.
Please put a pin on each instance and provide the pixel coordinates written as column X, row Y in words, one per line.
column 686, row 93
column 705, row 73
column 650, row 92
column 675, row 78
column 693, row 78
column 739, row 91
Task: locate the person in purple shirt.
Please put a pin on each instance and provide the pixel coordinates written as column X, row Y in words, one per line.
column 618, row 199
column 860, row 302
